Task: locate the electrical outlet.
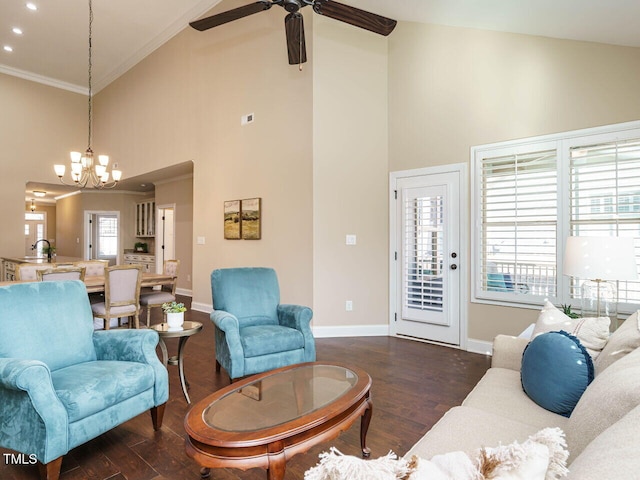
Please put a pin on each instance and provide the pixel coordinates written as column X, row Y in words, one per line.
column 351, row 240
column 348, row 306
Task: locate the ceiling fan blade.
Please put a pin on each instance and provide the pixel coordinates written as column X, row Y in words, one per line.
column 294, row 26
column 354, row 16
column 230, row 16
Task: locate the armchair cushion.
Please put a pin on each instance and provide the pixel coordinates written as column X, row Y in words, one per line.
column 88, row 388
column 265, row 339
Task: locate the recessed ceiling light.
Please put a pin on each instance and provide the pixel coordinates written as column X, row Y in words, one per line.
column 7, row 48
column 32, row 6
column 17, row 30
column 39, row 193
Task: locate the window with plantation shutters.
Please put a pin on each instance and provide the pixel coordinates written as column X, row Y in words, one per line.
column 529, row 195
column 518, row 208
column 605, row 198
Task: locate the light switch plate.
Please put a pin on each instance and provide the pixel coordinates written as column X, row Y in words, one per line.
column 200, row 241
column 351, row 239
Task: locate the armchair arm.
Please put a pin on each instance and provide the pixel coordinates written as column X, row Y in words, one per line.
column 229, row 350
column 225, row 321
column 507, row 352
column 299, row 317
column 134, row 346
column 32, row 418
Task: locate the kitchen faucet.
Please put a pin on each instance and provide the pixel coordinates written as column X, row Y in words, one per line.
column 33, row 247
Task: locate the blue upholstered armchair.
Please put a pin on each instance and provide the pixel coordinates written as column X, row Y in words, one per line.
column 254, row 333
column 61, row 383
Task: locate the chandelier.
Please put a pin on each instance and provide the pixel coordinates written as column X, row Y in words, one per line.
column 85, row 170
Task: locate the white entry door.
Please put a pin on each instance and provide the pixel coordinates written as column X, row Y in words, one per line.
column 427, row 274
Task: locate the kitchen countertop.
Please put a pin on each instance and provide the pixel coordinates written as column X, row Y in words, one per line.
column 57, row 259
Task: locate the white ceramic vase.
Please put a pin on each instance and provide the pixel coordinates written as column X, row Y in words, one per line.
column 175, row 320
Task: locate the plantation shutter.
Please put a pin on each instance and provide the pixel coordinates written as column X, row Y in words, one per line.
column 423, row 243
column 605, row 198
column 518, row 232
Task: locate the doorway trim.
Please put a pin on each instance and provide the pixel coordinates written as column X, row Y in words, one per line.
column 160, row 233
column 87, row 232
column 462, row 170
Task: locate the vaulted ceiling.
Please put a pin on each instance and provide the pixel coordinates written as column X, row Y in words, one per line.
column 54, row 41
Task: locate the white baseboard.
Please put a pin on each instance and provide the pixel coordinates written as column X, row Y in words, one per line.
column 474, row 346
column 351, row 331
column 479, row 346
column 202, row 307
column 184, row 291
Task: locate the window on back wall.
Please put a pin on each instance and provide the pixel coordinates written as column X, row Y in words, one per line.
column 530, row 194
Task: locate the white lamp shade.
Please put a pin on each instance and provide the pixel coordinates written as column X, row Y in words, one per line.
column 600, row 258
column 75, row 157
column 59, row 169
column 117, row 175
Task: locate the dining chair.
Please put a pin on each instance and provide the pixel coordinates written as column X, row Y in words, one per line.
column 61, row 273
column 93, row 268
column 27, row 271
column 121, row 295
column 167, row 293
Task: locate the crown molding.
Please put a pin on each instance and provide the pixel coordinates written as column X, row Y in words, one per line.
column 51, row 82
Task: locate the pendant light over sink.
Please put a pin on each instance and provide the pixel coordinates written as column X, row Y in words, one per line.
column 86, row 172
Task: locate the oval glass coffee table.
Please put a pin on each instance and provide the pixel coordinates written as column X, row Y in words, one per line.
column 265, row 419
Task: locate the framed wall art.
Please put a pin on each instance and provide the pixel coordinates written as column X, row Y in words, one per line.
column 232, row 223
column 251, row 215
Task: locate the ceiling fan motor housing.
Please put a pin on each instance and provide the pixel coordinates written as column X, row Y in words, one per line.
column 292, row 5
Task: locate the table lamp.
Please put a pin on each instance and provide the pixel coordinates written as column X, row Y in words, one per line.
column 598, row 259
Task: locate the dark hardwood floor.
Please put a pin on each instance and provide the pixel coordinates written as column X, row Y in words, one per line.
column 414, row 383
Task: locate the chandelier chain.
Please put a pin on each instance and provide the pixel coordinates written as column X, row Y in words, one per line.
column 89, row 170
column 90, row 66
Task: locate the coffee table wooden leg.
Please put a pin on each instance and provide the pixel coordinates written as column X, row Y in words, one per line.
column 364, row 427
column 277, row 461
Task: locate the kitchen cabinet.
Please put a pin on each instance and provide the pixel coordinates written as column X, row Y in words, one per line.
column 148, row 262
column 146, row 219
column 8, row 270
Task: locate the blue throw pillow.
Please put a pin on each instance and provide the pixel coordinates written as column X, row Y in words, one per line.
column 556, row 370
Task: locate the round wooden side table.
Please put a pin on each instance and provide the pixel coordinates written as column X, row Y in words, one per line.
column 188, row 329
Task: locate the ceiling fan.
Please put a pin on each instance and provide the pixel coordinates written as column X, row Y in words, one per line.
column 293, row 22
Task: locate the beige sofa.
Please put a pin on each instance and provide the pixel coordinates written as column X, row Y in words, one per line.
column 602, row 433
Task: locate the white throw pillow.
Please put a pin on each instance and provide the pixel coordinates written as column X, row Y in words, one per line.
column 593, row 332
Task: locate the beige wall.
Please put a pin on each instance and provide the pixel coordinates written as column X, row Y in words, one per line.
column 185, row 101
column 317, row 154
column 452, row 88
column 70, row 234
column 39, row 125
column 349, row 175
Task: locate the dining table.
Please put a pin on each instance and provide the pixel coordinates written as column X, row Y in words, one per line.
column 95, row 283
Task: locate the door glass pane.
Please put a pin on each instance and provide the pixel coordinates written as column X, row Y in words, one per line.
column 107, row 236
column 423, row 252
